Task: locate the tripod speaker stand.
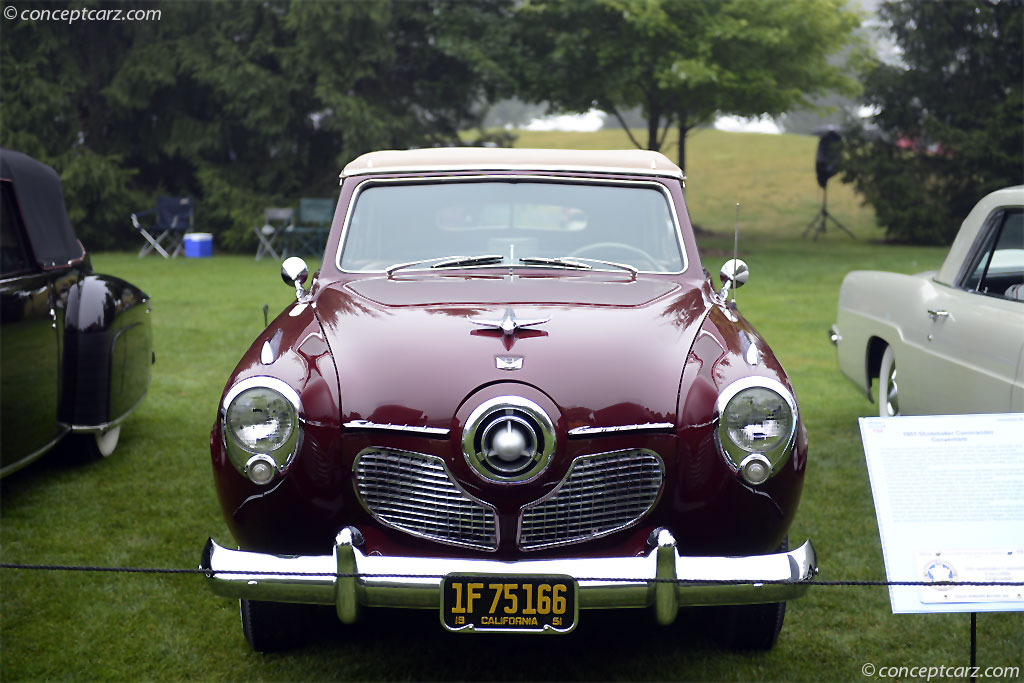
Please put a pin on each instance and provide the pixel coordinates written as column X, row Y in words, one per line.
column 817, row 225
column 826, row 165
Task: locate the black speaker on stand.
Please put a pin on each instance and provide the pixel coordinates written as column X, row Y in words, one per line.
column 826, row 165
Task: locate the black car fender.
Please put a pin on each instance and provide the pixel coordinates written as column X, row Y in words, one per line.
column 107, row 351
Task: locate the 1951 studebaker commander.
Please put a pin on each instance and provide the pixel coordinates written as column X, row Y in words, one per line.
column 956, row 335
column 510, row 393
column 76, row 346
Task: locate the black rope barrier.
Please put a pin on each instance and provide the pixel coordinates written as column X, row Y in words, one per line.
column 342, row 575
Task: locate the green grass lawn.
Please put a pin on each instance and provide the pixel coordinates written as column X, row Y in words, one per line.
column 152, row 504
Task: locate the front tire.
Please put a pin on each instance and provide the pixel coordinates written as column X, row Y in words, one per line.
column 888, row 393
column 272, row 626
column 752, row 627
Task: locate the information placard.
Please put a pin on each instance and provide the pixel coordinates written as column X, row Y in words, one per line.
column 949, row 498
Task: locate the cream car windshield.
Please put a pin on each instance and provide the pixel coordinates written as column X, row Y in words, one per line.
column 512, row 223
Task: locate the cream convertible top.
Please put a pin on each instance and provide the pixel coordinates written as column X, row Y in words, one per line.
column 631, row 161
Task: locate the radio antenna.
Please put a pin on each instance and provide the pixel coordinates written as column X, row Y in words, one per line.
column 736, row 246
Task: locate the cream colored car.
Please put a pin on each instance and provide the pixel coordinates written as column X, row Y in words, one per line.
column 949, row 341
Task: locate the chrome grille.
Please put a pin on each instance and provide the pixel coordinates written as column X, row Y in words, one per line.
column 600, row 494
column 413, row 492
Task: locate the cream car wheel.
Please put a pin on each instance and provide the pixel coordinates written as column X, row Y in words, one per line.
column 888, row 392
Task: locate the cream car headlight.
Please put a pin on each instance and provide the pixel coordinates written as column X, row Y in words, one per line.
column 260, row 421
column 756, row 422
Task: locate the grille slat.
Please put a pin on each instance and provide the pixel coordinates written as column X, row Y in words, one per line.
column 413, row 492
column 600, row 494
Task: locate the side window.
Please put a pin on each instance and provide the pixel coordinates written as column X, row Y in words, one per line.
column 13, row 256
column 998, row 266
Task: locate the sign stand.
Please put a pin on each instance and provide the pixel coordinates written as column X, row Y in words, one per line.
column 974, row 645
column 946, row 490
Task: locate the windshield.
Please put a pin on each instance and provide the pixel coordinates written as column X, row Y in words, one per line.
column 403, row 222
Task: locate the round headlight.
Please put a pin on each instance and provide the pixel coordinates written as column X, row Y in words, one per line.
column 756, row 415
column 757, row 420
column 260, row 420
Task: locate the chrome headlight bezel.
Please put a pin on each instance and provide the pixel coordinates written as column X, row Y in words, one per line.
column 736, row 455
column 243, row 455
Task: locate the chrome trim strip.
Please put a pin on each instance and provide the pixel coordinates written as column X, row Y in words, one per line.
column 35, row 455
column 96, row 429
column 366, row 424
column 370, row 181
column 604, row 582
column 596, row 431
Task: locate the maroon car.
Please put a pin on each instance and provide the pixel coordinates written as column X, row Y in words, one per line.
column 511, row 393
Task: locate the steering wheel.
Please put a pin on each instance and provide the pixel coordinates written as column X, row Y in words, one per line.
column 636, row 252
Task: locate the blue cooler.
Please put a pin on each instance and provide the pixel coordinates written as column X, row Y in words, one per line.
column 198, row 245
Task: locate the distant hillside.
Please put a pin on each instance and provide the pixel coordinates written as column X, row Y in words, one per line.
column 771, row 176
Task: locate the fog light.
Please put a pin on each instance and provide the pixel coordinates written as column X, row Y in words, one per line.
column 755, row 469
column 260, row 469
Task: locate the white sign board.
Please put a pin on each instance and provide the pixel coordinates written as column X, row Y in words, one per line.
column 949, row 497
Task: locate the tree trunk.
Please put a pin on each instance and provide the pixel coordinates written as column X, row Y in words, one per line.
column 682, row 148
column 684, row 128
column 653, row 124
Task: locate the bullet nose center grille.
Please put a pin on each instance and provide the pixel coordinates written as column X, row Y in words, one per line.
column 414, row 492
column 600, row 494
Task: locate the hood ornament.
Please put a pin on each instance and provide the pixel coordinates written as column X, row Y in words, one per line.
column 509, row 323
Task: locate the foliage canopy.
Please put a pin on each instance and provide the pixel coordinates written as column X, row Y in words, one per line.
column 950, row 121
column 243, row 105
column 682, row 61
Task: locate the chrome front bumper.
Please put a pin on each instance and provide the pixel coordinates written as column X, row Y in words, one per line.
column 351, row 580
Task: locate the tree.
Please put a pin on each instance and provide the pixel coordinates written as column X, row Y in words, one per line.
column 682, row 61
column 241, row 105
column 950, row 121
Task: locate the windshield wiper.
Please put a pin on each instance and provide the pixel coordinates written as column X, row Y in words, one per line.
column 576, row 262
column 562, row 262
column 448, row 262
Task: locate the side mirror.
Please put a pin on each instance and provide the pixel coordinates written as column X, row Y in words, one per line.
column 294, row 272
column 733, row 275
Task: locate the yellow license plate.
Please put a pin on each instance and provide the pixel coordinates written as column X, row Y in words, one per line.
column 511, row 604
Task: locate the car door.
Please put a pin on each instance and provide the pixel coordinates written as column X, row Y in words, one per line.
column 29, row 353
column 973, row 350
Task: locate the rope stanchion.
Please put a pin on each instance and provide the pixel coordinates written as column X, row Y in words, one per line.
column 681, row 582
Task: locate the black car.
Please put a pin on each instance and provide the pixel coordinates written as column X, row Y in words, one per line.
column 76, row 345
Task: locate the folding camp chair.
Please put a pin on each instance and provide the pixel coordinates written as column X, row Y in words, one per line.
column 309, row 234
column 170, row 220
column 275, row 223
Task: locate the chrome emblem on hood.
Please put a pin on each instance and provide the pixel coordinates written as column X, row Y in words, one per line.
column 508, row 362
column 509, row 323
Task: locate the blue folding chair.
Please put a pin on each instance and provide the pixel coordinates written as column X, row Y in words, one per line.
column 170, row 220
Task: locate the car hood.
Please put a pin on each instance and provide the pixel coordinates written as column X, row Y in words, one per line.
column 610, row 353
